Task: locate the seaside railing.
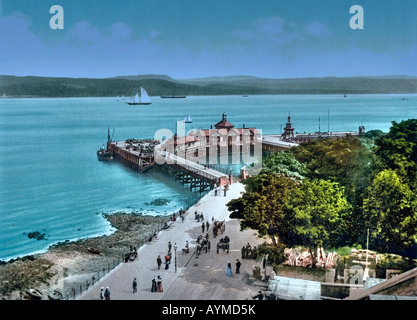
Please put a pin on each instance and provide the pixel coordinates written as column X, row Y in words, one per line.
column 76, row 289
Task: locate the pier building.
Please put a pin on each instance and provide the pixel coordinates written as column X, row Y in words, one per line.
column 289, row 139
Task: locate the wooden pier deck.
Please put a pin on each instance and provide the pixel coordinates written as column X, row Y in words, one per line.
column 199, row 171
column 131, row 155
column 142, row 156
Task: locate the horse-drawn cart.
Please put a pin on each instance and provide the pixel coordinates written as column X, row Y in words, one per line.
column 223, row 244
column 202, row 244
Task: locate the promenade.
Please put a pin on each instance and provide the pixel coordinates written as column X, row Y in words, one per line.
column 200, row 277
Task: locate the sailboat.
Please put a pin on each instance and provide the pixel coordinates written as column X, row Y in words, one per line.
column 143, row 99
column 117, row 99
column 188, row 119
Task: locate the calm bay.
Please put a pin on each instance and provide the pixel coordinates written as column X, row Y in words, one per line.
column 52, row 182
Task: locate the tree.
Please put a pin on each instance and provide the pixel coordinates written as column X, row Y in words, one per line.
column 348, row 161
column 392, row 212
column 318, row 208
column 283, row 163
column 263, row 206
column 398, row 150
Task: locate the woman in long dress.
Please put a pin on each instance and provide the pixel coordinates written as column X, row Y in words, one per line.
column 229, row 269
column 153, row 288
column 159, row 285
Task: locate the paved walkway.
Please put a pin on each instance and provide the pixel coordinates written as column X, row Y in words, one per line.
column 144, row 268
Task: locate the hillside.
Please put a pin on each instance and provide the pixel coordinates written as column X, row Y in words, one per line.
column 157, row 85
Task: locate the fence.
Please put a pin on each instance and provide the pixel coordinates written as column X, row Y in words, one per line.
column 77, row 288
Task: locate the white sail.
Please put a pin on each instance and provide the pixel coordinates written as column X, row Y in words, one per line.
column 144, row 98
column 189, row 119
column 136, row 99
column 117, row 99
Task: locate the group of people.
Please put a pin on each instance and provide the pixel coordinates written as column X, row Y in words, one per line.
column 157, row 284
column 199, row 216
column 105, row 294
column 249, row 253
column 217, row 191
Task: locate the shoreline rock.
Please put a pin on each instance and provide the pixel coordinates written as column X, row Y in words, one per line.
column 73, row 260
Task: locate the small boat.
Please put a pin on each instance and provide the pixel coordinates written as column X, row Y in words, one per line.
column 188, row 119
column 93, row 250
column 103, row 154
column 117, row 98
column 55, row 295
column 34, row 294
column 173, row 97
column 143, row 99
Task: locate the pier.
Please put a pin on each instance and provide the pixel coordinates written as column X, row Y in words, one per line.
column 136, row 154
column 141, row 155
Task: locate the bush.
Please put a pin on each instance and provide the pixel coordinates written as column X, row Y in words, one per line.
column 275, row 253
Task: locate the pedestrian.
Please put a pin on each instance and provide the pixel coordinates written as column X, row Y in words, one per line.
column 215, row 192
column 202, row 227
column 153, row 288
column 159, row 261
column 102, row 293
column 207, row 225
column 182, row 218
column 107, row 293
column 159, row 285
column 169, row 246
column 135, row 285
column 167, row 260
column 238, row 264
column 229, row 270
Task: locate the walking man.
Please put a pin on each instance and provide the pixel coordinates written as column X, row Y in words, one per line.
column 159, row 262
column 203, row 226
column 238, row 264
column 107, row 293
column 135, row 285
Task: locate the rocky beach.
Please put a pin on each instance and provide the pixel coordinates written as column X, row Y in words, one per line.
column 71, row 262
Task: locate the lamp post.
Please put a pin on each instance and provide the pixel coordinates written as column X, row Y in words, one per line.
column 365, row 275
column 175, row 257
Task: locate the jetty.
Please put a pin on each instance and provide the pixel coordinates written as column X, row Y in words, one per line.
column 181, row 156
column 141, row 155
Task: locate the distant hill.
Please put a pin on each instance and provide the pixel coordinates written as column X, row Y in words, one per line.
column 157, row 85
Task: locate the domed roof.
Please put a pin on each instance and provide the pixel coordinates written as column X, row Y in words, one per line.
column 224, row 124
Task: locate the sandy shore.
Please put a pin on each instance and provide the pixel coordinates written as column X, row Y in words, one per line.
column 69, row 265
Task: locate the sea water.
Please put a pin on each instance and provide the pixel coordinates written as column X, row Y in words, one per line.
column 52, row 182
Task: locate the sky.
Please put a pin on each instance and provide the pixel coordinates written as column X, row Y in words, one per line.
column 202, row 38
